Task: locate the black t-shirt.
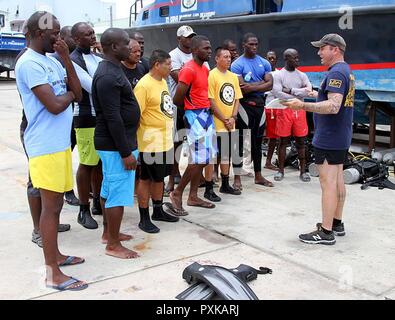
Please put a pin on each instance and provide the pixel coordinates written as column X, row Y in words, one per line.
column 117, row 110
column 145, row 63
column 134, row 75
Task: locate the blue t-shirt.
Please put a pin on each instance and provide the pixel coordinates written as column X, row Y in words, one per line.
column 334, row 131
column 255, row 69
column 46, row 133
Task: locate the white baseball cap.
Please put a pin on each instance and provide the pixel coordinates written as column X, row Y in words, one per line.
column 185, row 31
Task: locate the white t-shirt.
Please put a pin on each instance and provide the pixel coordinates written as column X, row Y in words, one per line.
column 178, row 59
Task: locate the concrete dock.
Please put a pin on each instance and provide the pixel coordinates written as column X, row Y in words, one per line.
column 258, row 228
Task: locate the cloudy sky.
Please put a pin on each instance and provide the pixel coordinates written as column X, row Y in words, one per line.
column 123, row 6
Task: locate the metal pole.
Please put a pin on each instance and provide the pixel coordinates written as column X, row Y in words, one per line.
column 111, row 19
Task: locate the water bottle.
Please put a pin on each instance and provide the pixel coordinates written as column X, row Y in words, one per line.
column 248, row 77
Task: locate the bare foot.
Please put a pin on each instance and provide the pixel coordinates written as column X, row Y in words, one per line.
column 271, row 167
column 122, row 237
column 176, row 201
column 119, row 251
column 263, row 182
column 237, row 183
column 197, row 202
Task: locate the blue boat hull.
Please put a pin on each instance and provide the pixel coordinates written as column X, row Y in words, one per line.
column 371, row 44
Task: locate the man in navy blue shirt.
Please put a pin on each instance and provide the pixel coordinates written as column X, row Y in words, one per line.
column 255, row 78
column 333, row 117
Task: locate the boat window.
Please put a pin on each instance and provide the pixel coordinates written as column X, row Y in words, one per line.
column 145, row 14
column 164, row 11
column 2, row 20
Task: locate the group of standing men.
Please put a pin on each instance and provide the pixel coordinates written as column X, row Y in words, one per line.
column 125, row 120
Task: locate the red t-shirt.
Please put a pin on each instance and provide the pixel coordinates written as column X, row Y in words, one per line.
column 195, row 77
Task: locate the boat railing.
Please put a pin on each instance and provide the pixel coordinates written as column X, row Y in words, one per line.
column 133, row 11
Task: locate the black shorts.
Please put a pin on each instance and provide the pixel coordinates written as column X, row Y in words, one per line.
column 155, row 166
column 180, row 134
column 334, row 157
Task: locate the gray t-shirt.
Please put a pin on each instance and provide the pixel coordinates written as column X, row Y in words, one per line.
column 296, row 80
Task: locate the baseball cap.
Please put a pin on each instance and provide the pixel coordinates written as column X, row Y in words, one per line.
column 24, row 28
column 185, row 31
column 332, row 39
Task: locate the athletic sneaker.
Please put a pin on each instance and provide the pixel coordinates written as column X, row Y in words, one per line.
column 36, row 238
column 71, row 199
column 318, row 237
column 338, row 230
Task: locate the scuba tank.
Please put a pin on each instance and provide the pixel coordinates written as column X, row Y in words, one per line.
column 389, row 158
column 378, row 156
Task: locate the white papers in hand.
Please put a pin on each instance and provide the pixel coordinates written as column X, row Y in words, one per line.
column 275, row 104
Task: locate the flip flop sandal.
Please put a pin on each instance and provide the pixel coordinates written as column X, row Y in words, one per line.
column 174, row 211
column 69, row 262
column 265, row 184
column 240, row 188
column 67, row 285
column 205, row 205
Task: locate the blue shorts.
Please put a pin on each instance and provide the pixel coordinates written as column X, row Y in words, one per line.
column 118, row 184
column 202, row 138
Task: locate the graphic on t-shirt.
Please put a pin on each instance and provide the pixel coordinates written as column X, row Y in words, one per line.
column 227, row 94
column 351, row 93
column 166, row 104
column 134, row 82
column 335, row 83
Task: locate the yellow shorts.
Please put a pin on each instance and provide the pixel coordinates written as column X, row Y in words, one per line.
column 52, row 172
column 86, row 146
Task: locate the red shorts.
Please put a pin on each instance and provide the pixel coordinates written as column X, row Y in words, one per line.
column 291, row 123
column 271, row 118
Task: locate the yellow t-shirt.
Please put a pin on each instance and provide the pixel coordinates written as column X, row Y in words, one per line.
column 155, row 132
column 224, row 89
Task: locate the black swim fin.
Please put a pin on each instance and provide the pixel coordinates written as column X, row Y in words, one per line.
column 198, row 291
column 225, row 283
column 202, row 291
